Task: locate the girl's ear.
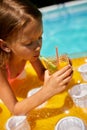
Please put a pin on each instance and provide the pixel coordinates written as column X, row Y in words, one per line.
column 4, row 46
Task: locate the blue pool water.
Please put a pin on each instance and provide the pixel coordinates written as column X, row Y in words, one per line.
column 65, row 27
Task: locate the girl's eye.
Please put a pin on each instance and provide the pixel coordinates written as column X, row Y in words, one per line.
column 37, row 41
column 30, row 44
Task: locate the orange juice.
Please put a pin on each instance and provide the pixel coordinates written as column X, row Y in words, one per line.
column 63, row 61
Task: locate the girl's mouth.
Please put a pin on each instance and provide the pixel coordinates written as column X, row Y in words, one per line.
column 37, row 55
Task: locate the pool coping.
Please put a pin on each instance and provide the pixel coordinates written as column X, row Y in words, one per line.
column 66, row 4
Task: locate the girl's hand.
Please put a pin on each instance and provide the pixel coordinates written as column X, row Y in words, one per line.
column 58, row 81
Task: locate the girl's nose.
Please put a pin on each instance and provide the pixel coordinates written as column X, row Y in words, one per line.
column 38, row 48
column 39, row 42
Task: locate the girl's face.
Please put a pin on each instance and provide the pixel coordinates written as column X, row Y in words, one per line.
column 29, row 42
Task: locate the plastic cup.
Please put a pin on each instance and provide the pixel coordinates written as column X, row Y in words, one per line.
column 53, row 65
column 83, row 71
column 33, row 91
column 78, row 94
column 63, row 61
column 17, row 123
column 70, row 123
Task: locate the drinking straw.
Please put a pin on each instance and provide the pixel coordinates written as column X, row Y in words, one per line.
column 57, row 57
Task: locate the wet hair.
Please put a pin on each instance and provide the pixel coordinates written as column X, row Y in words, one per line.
column 14, row 14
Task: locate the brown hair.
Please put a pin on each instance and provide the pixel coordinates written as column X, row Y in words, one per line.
column 13, row 15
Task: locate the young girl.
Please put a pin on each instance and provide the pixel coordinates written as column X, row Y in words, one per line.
column 21, row 40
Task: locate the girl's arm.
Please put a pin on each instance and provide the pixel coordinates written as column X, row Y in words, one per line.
column 39, row 68
column 53, row 85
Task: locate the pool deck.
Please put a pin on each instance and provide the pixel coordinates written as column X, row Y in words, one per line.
column 55, row 109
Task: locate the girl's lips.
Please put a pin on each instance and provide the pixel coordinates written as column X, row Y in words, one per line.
column 37, row 55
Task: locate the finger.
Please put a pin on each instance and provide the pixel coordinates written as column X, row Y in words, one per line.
column 63, row 70
column 65, row 74
column 46, row 74
column 66, row 80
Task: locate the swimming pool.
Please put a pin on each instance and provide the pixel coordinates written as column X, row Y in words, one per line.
column 65, row 27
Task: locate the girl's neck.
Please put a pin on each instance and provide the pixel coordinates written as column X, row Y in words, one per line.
column 14, row 68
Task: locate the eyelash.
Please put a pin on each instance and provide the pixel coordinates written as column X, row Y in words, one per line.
column 31, row 43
